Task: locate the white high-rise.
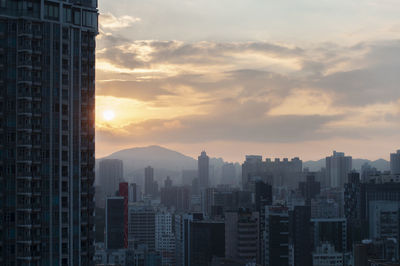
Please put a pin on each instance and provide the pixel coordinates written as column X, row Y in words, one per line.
column 165, row 239
column 338, row 166
column 395, row 163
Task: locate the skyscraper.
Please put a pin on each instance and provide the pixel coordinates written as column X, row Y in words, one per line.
column 252, row 168
column 395, row 163
column 242, row 235
column 337, row 168
column 300, row 235
column 204, row 170
column 228, row 174
column 276, row 236
column 110, row 175
column 47, row 87
column 277, row 172
column 148, row 180
column 141, row 225
column 115, row 223
column 198, row 240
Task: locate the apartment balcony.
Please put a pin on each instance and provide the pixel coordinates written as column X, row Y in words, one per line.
column 37, row 81
column 37, row 50
column 25, row 65
column 25, row 257
column 24, row 191
column 25, row 32
column 26, row 95
column 37, row 67
column 37, row 34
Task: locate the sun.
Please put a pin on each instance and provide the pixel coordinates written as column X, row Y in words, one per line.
column 108, row 115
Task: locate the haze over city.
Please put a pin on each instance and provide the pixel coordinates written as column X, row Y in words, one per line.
column 278, row 78
column 199, row 133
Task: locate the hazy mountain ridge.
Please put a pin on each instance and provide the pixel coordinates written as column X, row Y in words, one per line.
column 168, row 162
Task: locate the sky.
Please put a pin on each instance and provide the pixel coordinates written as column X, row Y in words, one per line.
column 234, row 77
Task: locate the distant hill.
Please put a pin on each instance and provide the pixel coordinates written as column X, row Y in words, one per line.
column 167, row 162
column 164, row 161
column 379, row 164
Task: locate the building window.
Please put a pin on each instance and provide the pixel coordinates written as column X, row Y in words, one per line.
column 51, row 11
column 77, row 17
column 67, row 14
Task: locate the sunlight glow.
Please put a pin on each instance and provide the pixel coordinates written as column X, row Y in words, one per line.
column 108, row 115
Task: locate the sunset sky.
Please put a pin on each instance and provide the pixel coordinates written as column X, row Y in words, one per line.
column 234, row 77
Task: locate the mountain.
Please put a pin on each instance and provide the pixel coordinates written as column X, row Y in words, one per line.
column 164, row 161
column 167, row 162
column 379, row 164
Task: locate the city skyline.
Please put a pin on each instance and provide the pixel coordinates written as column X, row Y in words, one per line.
column 264, row 78
column 267, row 85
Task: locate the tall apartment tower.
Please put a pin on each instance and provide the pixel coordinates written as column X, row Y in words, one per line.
column 276, row 236
column 395, row 163
column 47, row 128
column 115, row 223
column 242, row 235
column 338, row 166
column 204, row 170
column 148, row 180
column 110, row 175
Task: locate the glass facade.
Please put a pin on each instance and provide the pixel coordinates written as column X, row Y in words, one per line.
column 47, row 97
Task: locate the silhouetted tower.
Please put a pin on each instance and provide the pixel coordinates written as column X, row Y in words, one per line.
column 203, row 168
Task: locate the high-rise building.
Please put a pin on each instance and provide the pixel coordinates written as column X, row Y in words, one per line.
column 395, row 163
column 376, row 252
column 372, row 204
column 182, row 230
column 283, row 173
column 275, row 246
column 188, row 176
column 384, row 217
column 337, row 168
column 252, row 169
column 206, row 240
column 198, row 240
column 165, row 238
column 242, row 235
column 149, row 180
column 228, row 174
column 176, row 197
column 324, row 208
column 353, row 208
column 262, row 195
column 110, row 175
column 124, row 192
column 218, row 201
column 309, row 189
column 326, row 255
column 332, row 230
column 300, row 235
column 47, row 122
column 115, row 219
column 168, row 182
column 133, row 193
column 203, row 170
column 141, row 226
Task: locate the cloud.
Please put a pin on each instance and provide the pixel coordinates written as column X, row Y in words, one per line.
column 259, row 92
column 109, row 22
